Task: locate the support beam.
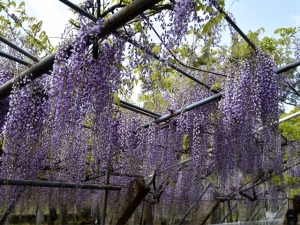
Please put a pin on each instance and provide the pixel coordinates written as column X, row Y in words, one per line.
column 204, row 213
column 233, row 24
column 79, row 10
column 112, row 23
column 289, row 117
column 12, row 45
column 229, row 213
column 185, row 109
column 15, row 59
column 37, row 183
column 194, row 204
column 288, row 67
column 138, row 109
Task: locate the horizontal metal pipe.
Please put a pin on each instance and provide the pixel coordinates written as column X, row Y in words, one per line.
column 36, row 183
column 12, row 45
column 185, row 109
column 115, row 21
column 13, row 58
column 289, row 117
column 34, row 71
column 288, row 67
column 139, row 108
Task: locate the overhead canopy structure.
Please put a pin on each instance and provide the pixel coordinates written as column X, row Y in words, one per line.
column 110, row 26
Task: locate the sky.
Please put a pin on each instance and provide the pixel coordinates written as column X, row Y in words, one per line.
column 249, row 14
column 53, row 13
column 269, row 14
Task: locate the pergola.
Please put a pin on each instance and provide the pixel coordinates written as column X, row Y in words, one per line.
column 110, row 26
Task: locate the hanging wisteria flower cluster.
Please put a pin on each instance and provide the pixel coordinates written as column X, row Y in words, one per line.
column 245, row 137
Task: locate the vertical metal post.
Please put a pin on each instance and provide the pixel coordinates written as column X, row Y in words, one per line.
column 105, row 196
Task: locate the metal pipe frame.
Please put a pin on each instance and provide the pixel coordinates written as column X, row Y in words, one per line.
column 46, row 64
column 288, row 67
column 289, row 117
column 137, row 111
column 146, row 112
column 185, row 109
column 12, row 45
column 15, row 59
column 115, row 21
column 280, row 209
column 53, row 184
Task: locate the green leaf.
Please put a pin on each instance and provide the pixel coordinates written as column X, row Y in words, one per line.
column 156, row 49
column 117, row 99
